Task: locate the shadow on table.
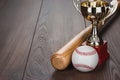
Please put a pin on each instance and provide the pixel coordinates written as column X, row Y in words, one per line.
column 72, row 74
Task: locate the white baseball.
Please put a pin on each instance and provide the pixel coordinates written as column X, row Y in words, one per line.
column 85, row 58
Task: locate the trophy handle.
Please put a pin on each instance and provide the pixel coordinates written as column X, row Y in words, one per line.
column 76, row 5
column 113, row 8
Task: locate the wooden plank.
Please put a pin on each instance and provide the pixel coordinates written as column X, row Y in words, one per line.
column 17, row 24
column 2, row 3
column 58, row 23
column 111, row 34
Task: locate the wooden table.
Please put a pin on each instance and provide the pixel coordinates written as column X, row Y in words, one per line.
column 31, row 30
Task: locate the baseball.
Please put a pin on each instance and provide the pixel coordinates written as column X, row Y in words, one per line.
column 85, row 58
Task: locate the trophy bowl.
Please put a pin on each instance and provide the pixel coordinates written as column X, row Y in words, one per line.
column 94, row 10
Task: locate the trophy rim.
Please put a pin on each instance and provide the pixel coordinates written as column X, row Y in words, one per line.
column 113, row 9
column 97, row 3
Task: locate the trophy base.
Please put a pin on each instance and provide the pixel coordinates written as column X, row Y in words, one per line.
column 102, row 52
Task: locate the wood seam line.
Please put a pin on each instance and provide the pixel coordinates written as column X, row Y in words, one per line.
column 32, row 40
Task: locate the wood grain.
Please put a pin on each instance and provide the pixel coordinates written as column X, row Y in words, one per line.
column 58, row 18
column 17, row 24
column 54, row 29
column 112, row 36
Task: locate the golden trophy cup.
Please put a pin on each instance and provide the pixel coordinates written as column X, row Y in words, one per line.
column 94, row 11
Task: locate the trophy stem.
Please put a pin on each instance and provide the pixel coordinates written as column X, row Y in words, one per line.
column 94, row 39
column 94, row 28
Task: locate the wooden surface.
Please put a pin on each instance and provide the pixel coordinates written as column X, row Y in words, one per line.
column 31, row 30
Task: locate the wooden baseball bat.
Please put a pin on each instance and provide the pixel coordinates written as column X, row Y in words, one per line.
column 62, row 58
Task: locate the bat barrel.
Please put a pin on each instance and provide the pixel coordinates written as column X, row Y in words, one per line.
column 60, row 62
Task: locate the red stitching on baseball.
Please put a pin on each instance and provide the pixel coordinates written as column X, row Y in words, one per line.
column 82, row 65
column 85, row 53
